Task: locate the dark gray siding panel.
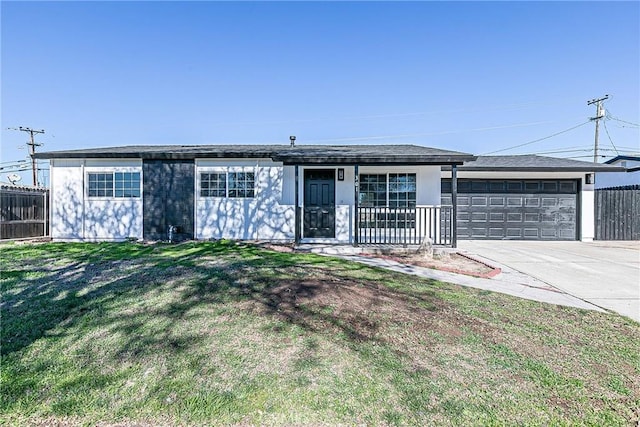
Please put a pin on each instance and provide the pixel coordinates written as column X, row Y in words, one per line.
column 515, row 209
column 168, row 194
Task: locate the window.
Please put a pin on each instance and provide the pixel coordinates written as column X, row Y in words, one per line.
column 100, row 184
column 114, row 184
column 241, row 184
column 402, row 190
column 127, row 184
column 373, row 190
column 213, row 184
column 227, row 184
column 395, row 190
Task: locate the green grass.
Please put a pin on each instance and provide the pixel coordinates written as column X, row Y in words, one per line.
column 221, row 333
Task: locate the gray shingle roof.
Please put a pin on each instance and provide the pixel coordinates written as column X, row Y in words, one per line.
column 300, row 154
column 534, row 163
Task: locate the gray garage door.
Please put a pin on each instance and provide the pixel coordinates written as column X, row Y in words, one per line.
column 515, row 209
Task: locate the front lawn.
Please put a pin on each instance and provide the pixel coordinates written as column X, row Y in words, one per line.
column 222, row 333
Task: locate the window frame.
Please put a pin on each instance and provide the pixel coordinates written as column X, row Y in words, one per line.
column 121, row 184
column 234, row 188
column 391, row 189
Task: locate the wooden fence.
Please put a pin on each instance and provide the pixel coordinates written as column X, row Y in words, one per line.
column 617, row 213
column 24, row 212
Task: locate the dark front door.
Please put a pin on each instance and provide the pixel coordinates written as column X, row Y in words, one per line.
column 319, row 203
column 168, row 198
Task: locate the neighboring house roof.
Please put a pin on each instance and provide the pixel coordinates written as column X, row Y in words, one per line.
column 22, row 188
column 619, row 158
column 534, row 163
column 299, row 154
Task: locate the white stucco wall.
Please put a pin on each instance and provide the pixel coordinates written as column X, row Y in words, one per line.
column 619, row 179
column 75, row 216
column 269, row 215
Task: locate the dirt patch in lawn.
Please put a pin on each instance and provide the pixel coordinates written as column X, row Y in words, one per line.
column 453, row 263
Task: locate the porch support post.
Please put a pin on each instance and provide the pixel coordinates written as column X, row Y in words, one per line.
column 356, row 182
column 454, row 204
column 297, row 208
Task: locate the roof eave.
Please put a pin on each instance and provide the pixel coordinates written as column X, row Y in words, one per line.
column 540, row 169
column 302, row 160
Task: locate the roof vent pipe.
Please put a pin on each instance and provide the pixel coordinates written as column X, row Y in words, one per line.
column 293, row 140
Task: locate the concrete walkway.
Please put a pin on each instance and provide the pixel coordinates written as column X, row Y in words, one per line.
column 509, row 282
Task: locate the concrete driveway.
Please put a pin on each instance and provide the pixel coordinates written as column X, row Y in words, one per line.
column 604, row 273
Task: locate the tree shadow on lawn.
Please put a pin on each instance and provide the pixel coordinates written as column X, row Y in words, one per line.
column 92, row 294
column 88, row 288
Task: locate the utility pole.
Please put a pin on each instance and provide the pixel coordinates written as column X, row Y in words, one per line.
column 599, row 115
column 32, row 150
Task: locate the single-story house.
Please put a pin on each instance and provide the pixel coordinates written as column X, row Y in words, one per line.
column 625, row 178
column 359, row 194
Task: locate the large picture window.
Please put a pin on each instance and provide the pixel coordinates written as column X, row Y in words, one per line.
column 394, row 190
column 227, row 184
column 113, row 184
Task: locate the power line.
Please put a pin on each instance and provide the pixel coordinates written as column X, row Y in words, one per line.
column 365, row 138
column 537, row 140
column 609, row 116
column 604, row 122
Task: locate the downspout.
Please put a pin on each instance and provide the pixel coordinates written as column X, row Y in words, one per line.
column 454, row 204
column 84, row 191
column 297, row 209
column 356, row 182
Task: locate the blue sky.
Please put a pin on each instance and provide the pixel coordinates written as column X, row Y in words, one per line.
column 469, row 76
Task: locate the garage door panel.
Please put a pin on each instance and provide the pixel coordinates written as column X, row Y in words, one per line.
column 497, row 201
column 479, row 232
column 532, row 201
column 479, row 201
column 497, row 217
column 514, row 201
column 496, row 233
column 479, row 217
column 517, row 209
column 514, row 216
column 514, row 233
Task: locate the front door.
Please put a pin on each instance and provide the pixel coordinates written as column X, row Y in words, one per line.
column 319, row 203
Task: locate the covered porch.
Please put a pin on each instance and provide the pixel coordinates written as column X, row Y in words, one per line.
column 372, row 195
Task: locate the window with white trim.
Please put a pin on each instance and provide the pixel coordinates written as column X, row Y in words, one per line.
column 213, row 184
column 113, row 184
column 239, row 185
column 394, row 190
column 100, row 184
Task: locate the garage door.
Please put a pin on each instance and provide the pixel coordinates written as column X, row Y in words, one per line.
column 517, row 210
